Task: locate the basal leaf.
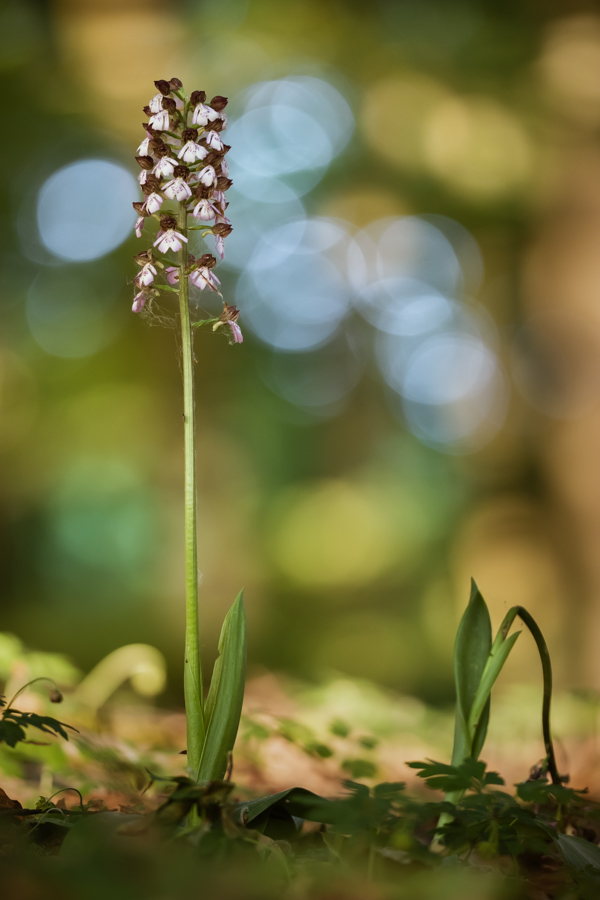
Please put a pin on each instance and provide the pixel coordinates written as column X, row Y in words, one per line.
column 471, row 650
column 225, row 697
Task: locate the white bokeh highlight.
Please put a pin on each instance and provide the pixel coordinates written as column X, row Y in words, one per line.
column 84, row 209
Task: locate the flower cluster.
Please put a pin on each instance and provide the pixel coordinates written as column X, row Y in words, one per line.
column 182, row 160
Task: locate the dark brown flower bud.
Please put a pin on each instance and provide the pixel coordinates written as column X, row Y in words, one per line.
column 145, row 162
column 197, row 97
column 153, row 182
column 151, row 186
column 222, row 229
column 206, row 261
column 164, row 87
column 147, row 110
column 139, row 208
column 212, row 159
column 175, row 84
column 217, row 125
column 158, row 147
column 218, row 103
column 189, row 134
column 56, row 696
column 226, row 149
column 201, row 192
column 181, row 172
column 144, row 257
column 223, row 184
column 169, row 104
column 148, row 127
column 167, row 222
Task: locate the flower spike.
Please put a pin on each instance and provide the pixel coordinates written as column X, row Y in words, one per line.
column 182, row 162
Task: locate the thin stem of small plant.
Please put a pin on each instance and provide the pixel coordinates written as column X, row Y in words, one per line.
column 547, row 700
column 192, row 677
column 25, row 686
column 500, row 649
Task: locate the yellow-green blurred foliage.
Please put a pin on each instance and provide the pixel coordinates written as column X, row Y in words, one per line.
column 352, row 518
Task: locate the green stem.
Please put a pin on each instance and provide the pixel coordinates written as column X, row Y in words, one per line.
column 547, row 675
column 192, row 676
column 502, row 644
column 25, row 686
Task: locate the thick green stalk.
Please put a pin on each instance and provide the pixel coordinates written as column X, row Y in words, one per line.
column 192, row 674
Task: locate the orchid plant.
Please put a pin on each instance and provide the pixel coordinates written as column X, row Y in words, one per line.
column 184, row 178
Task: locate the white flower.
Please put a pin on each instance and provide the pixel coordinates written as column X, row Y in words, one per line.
column 142, row 176
column 156, row 103
column 207, row 176
column 204, row 210
column 191, row 151
column 164, row 167
column 203, row 277
column 139, row 225
column 237, row 333
column 139, row 301
column 220, row 246
column 225, row 168
column 213, row 140
column 223, row 118
column 204, row 114
column 172, row 273
column 142, row 150
column 146, row 275
column 169, row 240
column 153, row 203
column 160, row 122
column 219, row 197
column 177, row 189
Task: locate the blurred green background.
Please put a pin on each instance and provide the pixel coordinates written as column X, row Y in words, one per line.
column 416, row 259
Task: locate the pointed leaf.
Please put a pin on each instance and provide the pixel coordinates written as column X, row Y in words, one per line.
column 496, row 659
column 471, row 650
column 225, row 697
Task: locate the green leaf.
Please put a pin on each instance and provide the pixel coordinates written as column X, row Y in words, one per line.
column 471, row 774
column 389, row 790
column 471, row 650
column 295, row 801
column 10, row 733
column 225, row 697
column 542, row 793
column 579, row 854
column 321, row 750
column 360, row 768
column 340, row 728
column 495, row 661
column 14, row 722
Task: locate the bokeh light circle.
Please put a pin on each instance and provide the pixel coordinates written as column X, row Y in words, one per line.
column 84, row 209
column 291, row 128
column 294, row 292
